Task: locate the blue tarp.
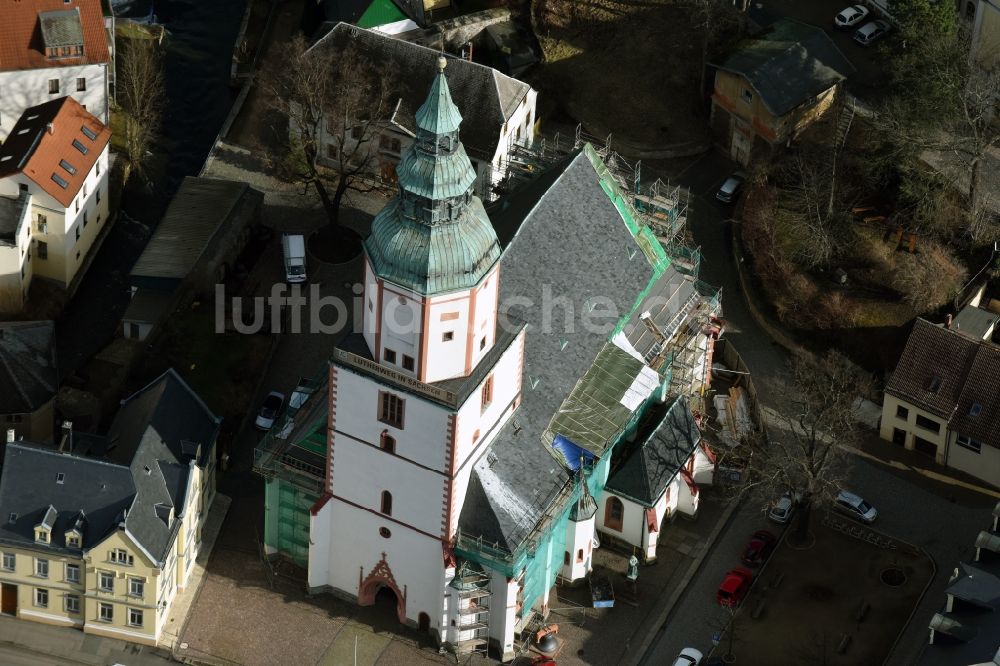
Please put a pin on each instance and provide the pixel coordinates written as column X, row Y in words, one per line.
column 571, row 453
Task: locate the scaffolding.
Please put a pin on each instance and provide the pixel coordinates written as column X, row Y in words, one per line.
column 684, row 356
column 472, row 583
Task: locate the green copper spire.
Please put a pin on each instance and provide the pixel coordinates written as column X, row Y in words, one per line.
column 434, row 236
column 439, row 115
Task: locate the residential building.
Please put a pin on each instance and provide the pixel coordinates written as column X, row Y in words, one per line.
column 193, row 249
column 464, row 435
column 942, row 400
column 773, row 86
column 49, row 49
column 499, row 110
column 54, row 166
column 967, row 631
column 976, row 322
column 105, row 546
column 29, row 375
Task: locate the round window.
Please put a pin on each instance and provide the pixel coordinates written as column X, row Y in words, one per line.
column 384, row 532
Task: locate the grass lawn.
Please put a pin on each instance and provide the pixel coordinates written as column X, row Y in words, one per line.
column 822, row 588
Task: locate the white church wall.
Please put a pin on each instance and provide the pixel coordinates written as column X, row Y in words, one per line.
column 347, row 545
column 423, row 436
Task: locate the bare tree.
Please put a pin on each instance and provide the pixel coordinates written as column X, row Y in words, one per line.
column 336, row 104
column 944, row 100
column 808, row 436
column 141, row 94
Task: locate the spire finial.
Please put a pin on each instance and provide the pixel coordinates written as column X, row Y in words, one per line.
column 442, row 63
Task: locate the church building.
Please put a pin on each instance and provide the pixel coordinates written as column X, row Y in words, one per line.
column 511, row 369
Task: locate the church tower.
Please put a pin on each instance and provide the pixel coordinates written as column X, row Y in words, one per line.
column 416, row 397
column 431, row 262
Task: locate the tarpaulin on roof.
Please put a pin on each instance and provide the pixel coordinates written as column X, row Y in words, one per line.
column 571, row 452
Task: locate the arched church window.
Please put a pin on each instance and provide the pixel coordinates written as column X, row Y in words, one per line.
column 614, row 514
column 387, row 503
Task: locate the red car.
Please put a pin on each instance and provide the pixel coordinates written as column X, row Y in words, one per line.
column 759, row 549
column 734, row 587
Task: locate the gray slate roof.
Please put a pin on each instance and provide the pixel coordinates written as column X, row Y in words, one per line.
column 790, row 64
column 570, row 243
column 151, row 435
column 199, row 209
column 645, row 471
column 164, row 416
column 28, row 487
column 486, row 97
column 974, row 321
column 61, row 28
column 27, row 366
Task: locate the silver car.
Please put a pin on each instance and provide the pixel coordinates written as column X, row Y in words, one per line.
column 855, row 507
column 730, row 189
column 782, row 510
column 871, row 31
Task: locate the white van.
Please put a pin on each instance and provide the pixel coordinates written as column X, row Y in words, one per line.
column 294, row 248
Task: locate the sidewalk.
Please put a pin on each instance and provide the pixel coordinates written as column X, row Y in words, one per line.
column 622, row 635
column 170, row 638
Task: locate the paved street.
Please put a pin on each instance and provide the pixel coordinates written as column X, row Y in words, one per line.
column 949, row 517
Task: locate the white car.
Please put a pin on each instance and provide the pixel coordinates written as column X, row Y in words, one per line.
column 850, row 17
column 871, row 31
column 782, row 510
column 855, row 507
column 298, row 398
column 688, row 657
column 269, row 410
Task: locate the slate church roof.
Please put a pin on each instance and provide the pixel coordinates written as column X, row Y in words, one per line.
column 648, row 467
column 571, row 242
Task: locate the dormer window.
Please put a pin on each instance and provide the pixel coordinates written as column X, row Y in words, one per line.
column 41, row 536
column 935, row 385
column 62, row 33
column 72, row 541
column 976, row 409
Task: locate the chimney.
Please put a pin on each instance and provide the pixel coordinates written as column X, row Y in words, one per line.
column 50, row 127
column 66, row 444
column 947, row 321
column 10, row 435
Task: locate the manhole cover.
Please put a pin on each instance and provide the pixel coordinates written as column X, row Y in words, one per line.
column 819, row 593
column 893, row 577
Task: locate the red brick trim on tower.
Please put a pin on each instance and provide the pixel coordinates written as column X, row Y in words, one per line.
column 451, row 452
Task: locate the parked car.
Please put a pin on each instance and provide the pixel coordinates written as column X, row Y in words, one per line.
column 731, row 188
column 293, row 248
column 734, row 587
column 850, row 17
column 871, row 31
column 855, row 507
column 269, row 410
column 299, row 396
column 759, row 549
column 782, row 510
column 688, row 657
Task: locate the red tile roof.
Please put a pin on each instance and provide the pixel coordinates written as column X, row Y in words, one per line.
column 45, row 137
column 21, row 43
column 954, row 376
